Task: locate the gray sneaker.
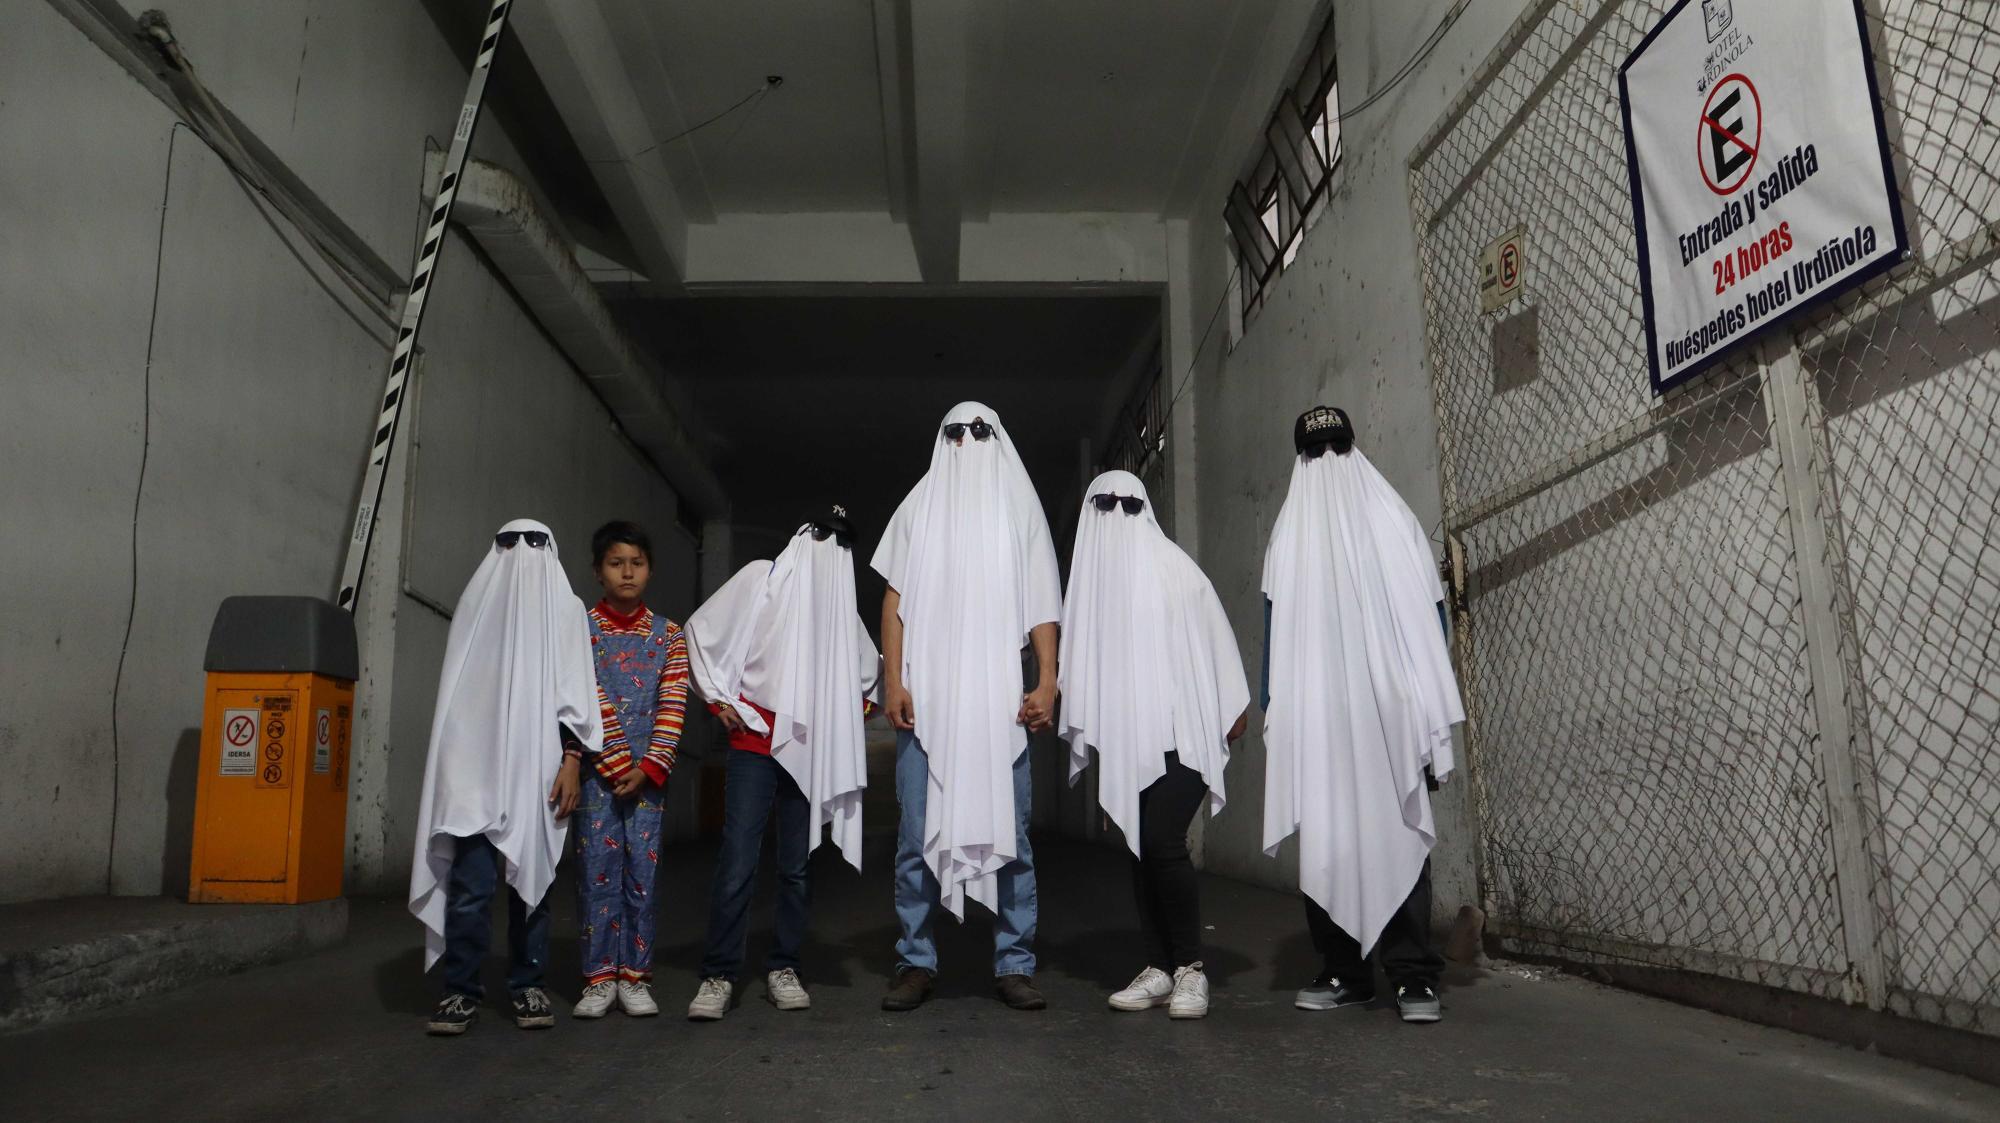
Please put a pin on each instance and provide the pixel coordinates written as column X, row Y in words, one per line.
column 1329, row 993
column 786, row 991
column 711, row 1000
column 1418, row 1002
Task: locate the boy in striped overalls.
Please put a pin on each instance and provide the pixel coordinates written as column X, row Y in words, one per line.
column 642, row 684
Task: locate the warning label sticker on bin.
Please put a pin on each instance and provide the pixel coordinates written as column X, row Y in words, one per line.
column 239, row 743
column 274, row 764
column 323, row 741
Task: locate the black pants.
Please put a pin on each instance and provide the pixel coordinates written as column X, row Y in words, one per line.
column 1404, row 949
column 1163, row 876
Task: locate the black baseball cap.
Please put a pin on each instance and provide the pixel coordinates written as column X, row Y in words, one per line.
column 1323, row 425
column 835, row 518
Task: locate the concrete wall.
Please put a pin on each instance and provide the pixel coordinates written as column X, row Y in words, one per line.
column 251, row 422
column 1343, row 325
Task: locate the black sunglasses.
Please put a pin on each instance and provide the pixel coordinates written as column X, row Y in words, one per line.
column 822, row 532
column 1132, row 503
column 980, row 430
column 539, row 539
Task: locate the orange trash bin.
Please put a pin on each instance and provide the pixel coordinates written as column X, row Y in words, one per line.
column 270, row 820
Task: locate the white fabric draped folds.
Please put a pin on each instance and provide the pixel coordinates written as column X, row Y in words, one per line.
column 516, row 663
column 786, row 635
column 970, row 555
column 1362, row 696
column 1149, row 663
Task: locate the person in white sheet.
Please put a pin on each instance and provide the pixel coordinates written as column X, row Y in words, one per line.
column 972, row 580
column 1152, row 680
column 1358, row 710
column 784, row 661
column 518, row 689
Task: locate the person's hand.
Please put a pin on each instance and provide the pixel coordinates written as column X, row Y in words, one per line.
column 902, row 709
column 1038, row 708
column 731, row 720
column 629, row 783
column 562, row 795
column 1236, row 731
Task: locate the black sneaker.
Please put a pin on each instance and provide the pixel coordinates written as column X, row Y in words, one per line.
column 1418, row 1002
column 1329, row 993
column 532, row 1009
column 453, row 1016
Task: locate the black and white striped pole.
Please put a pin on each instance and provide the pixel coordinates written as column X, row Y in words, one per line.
column 421, row 278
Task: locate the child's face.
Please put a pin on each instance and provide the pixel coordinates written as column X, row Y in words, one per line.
column 624, row 572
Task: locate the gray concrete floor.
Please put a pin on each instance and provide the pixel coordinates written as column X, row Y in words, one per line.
column 339, row 1035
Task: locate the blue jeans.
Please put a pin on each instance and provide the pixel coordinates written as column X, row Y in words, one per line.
column 917, row 887
column 475, row 875
column 754, row 785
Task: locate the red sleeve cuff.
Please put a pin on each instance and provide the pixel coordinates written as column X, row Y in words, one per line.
column 614, row 764
column 654, row 769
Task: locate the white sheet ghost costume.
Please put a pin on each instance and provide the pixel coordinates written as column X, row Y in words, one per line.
column 969, row 553
column 1362, row 697
column 1149, row 664
column 516, row 665
column 786, row 636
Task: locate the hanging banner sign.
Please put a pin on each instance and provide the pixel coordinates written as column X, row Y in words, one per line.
column 1760, row 173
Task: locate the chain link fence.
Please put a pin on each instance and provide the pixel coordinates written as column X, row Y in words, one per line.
column 1730, row 653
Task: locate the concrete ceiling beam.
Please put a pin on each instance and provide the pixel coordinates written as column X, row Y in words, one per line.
column 939, row 68
column 646, row 70
column 578, row 57
column 892, row 74
column 871, row 248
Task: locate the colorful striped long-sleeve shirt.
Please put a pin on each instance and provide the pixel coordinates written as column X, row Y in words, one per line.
column 642, row 684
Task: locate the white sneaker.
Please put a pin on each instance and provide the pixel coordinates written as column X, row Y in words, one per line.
column 787, row 992
column 1152, row 988
column 1190, row 993
column 636, row 999
column 711, row 1001
column 596, row 1001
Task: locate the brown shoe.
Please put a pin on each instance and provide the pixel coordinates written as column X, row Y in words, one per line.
column 912, row 986
column 1019, row 993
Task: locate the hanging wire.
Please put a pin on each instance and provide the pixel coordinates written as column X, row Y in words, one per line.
column 211, row 123
column 750, row 100
column 1423, row 52
column 770, row 83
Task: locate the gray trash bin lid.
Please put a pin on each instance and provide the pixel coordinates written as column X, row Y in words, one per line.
column 282, row 635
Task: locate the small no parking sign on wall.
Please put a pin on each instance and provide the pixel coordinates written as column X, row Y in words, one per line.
column 1502, row 265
